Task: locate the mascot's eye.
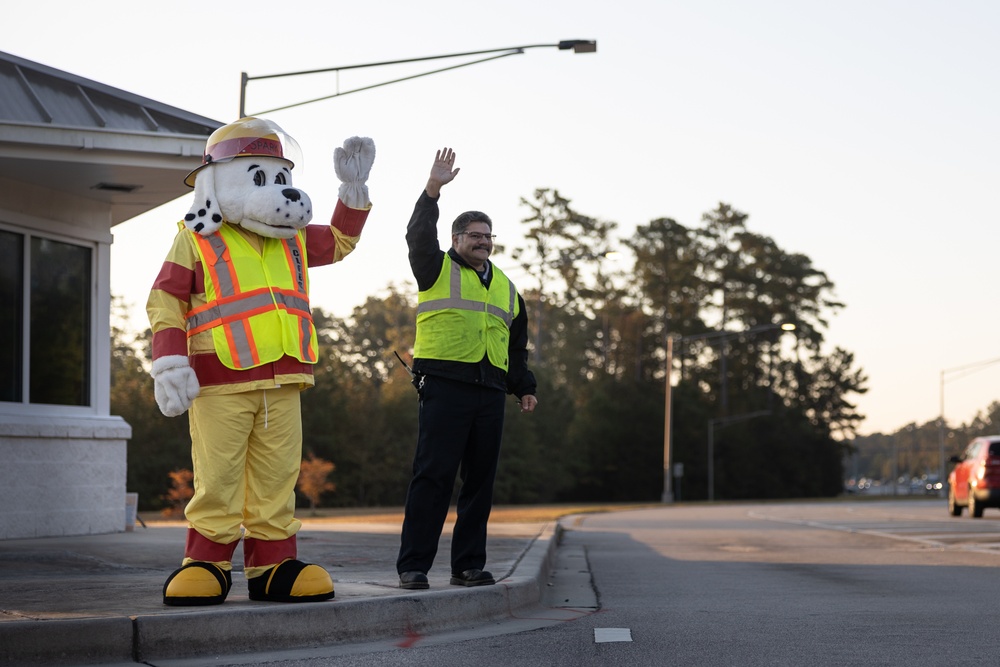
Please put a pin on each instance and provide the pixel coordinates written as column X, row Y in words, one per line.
column 259, row 179
column 279, row 179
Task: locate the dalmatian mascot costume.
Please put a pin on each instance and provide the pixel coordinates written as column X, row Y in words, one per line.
column 234, row 343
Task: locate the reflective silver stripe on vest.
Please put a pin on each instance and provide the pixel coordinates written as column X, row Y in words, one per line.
column 225, row 288
column 241, row 344
column 306, row 338
column 230, row 310
column 237, row 307
column 290, row 301
column 233, row 315
column 456, row 302
column 223, row 270
column 299, row 274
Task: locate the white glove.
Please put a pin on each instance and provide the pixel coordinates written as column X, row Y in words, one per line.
column 353, row 163
column 175, row 384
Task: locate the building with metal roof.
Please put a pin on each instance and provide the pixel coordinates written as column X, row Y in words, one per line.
column 76, row 158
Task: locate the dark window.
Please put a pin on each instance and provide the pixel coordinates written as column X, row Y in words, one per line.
column 57, row 303
column 11, row 309
column 60, row 323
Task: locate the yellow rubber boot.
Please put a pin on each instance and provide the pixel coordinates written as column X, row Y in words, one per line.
column 312, row 581
column 292, row 581
column 197, row 584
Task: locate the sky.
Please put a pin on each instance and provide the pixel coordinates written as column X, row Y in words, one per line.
column 862, row 133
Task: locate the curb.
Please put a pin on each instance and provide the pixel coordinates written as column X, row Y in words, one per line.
column 276, row 627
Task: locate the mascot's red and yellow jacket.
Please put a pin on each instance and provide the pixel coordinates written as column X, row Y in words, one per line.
column 179, row 289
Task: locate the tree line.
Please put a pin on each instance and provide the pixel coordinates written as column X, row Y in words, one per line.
column 918, row 450
column 600, row 311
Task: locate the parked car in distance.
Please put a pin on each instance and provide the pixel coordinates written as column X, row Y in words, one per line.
column 974, row 482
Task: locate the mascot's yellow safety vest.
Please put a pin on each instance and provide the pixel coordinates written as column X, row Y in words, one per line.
column 459, row 319
column 257, row 304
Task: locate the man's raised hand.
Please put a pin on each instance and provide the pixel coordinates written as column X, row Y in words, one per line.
column 442, row 171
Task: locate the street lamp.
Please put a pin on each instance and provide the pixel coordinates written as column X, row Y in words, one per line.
column 667, row 496
column 575, row 45
column 965, row 370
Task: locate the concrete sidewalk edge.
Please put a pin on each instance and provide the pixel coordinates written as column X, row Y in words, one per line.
column 219, row 630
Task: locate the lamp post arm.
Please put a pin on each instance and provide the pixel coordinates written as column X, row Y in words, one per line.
column 515, row 49
column 576, row 45
column 712, row 335
column 969, row 368
column 966, row 369
column 668, row 403
column 723, row 421
column 375, row 85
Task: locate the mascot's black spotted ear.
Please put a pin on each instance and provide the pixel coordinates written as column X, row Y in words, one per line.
column 205, row 216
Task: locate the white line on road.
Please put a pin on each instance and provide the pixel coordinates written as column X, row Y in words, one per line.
column 612, row 635
column 930, row 540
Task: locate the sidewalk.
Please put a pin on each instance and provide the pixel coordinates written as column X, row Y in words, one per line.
column 99, row 598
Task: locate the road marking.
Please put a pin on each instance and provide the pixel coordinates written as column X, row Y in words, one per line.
column 612, row 635
column 883, row 530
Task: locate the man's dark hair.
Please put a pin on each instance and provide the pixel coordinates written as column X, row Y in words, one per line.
column 469, row 217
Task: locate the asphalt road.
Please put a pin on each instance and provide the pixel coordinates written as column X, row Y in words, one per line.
column 872, row 583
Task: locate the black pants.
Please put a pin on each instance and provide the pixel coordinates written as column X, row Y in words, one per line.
column 460, row 429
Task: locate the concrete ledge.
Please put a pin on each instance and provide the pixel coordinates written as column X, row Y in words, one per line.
column 77, row 641
column 271, row 627
column 83, row 427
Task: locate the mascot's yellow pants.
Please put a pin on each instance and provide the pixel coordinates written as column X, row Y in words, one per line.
column 246, row 449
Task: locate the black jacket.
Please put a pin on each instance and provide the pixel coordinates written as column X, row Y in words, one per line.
column 426, row 258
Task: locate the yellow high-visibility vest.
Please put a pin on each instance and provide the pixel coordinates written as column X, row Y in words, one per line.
column 257, row 304
column 459, row 319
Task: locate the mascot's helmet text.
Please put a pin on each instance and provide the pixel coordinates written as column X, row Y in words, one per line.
column 247, row 137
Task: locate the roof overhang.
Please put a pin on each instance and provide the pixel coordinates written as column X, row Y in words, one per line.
column 133, row 172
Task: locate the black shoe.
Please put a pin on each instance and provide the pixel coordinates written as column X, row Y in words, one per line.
column 413, row 581
column 472, row 578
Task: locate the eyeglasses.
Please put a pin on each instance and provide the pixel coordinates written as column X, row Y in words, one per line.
column 479, row 236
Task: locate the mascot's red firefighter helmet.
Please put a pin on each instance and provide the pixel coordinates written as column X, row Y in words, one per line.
column 247, row 137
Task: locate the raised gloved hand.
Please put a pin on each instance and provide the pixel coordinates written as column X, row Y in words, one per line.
column 353, row 163
column 175, row 384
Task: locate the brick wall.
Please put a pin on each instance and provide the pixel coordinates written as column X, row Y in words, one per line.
column 62, row 476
